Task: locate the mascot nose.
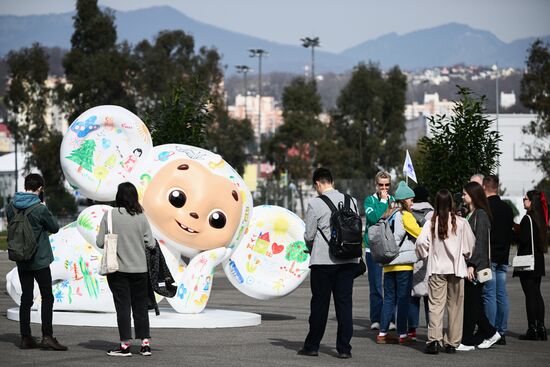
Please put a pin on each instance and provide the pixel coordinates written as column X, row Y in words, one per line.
column 194, row 215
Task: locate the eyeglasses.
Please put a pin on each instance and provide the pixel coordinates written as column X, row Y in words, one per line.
column 384, row 184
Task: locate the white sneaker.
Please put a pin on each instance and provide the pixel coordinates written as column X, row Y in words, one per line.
column 375, row 326
column 392, row 326
column 465, row 348
column 488, row 343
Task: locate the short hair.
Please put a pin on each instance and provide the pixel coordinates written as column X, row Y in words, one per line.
column 382, row 174
column 322, row 175
column 477, row 177
column 491, row 182
column 33, row 182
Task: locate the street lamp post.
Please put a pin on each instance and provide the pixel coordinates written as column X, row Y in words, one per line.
column 244, row 69
column 259, row 53
column 495, row 68
column 311, row 42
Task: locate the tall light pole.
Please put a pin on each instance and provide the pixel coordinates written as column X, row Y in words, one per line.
column 311, row 42
column 259, row 53
column 495, row 68
column 244, row 69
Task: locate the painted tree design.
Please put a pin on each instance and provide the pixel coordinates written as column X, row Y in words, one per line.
column 84, row 155
column 295, row 253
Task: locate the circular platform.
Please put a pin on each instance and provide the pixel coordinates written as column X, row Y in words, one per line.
column 168, row 318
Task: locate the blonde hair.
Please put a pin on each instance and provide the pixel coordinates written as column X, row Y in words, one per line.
column 382, row 174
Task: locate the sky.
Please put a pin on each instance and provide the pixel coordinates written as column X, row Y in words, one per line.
column 339, row 24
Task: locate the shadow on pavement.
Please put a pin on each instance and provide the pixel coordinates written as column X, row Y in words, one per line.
column 297, row 345
column 276, row 317
column 13, row 338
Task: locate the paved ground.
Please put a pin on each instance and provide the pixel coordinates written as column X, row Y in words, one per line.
column 273, row 343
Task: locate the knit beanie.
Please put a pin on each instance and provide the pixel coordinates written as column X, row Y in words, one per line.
column 403, row 191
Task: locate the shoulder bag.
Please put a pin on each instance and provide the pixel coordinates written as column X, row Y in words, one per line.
column 526, row 262
column 109, row 262
column 484, row 275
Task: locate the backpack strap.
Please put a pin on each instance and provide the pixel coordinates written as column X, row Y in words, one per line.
column 329, row 203
column 25, row 211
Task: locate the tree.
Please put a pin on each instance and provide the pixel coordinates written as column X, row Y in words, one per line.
column 96, row 68
column 27, row 95
column 84, row 155
column 535, row 94
column 182, row 118
column 367, row 127
column 458, row 146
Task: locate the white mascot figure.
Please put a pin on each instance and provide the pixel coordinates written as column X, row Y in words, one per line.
column 199, row 208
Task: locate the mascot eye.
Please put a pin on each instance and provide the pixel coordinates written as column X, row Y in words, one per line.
column 217, row 219
column 177, row 198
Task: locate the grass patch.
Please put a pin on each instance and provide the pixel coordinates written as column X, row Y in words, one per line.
column 4, row 240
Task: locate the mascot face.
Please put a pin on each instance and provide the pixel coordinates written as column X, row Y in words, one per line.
column 191, row 205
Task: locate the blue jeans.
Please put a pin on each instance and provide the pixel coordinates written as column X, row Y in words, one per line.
column 414, row 311
column 374, row 273
column 397, row 291
column 495, row 299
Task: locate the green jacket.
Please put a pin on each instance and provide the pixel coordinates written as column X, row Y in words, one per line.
column 43, row 223
column 374, row 209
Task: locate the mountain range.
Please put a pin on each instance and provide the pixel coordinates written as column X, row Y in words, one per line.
column 443, row 45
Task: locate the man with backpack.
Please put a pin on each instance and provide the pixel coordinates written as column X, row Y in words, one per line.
column 29, row 225
column 330, row 274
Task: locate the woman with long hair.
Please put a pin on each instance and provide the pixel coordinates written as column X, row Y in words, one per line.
column 533, row 228
column 447, row 242
column 129, row 284
column 479, row 218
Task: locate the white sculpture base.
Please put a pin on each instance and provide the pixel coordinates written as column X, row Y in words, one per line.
column 168, row 318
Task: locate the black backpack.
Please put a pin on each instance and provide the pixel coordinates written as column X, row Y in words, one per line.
column 21, row 238
column 346, row 237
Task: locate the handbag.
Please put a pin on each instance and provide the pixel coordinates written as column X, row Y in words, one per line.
column 525, row 262
column 484, row 275
column 109, row 261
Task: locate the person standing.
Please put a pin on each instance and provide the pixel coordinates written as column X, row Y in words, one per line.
column 495, row 299
column 398, row 273
column 129, row 284
column 329, row 275
column 447, row 241
column 474, row 312
column 375, row 207
column 38, row 268
column 532, row 233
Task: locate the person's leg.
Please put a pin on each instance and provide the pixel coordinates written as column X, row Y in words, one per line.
column 139, row 300
column 529, row 289
column 427, row 309
column 26, row 279
column 489, row 295
column 44, row 279
column 437, row 290
column 472, row 304
column 501, row 322
column 414, row 313
column 374, row 274
column 485, row 328
column 321, row 280
column 343, row 302
column 120, row 288
column 539, row 302
column 388, row 307
column 404, row 285
column 455, row 309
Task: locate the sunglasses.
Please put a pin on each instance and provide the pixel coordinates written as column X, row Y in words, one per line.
column 384, row 184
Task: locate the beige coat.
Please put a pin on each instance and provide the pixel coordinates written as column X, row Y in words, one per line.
column 447, row 256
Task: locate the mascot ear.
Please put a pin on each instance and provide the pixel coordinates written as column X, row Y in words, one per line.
column 101, row 150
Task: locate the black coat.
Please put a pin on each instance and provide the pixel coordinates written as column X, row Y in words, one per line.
column 523, row 240
column 501, row 229
column 160, row 278
column 481, row 225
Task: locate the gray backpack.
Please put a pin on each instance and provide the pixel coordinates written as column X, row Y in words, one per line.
column 383, row 247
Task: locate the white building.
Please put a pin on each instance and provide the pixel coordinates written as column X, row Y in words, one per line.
column 271, row 113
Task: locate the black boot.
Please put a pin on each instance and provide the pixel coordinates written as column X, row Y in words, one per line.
column 541, row 331
column 530, row 334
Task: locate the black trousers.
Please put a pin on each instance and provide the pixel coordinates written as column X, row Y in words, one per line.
column 130, row 292
column 474, row 314
column 534, row 303
column 44, row 279
column 338, row 281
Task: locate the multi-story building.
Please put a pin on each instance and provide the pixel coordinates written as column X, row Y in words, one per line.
column 6, row 142
column 247, row 107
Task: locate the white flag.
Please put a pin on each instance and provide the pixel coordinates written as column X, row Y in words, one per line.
column 408, row 168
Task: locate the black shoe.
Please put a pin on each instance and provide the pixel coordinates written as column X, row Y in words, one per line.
column 501, row 341
column 145, row 350
column 28, row 342
column 344, row 355
column 120, row 352
column 541, row 331
column 309, row 353
column 432, row 348
column 450, row 349
column 49, row 342
column 530, row 334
